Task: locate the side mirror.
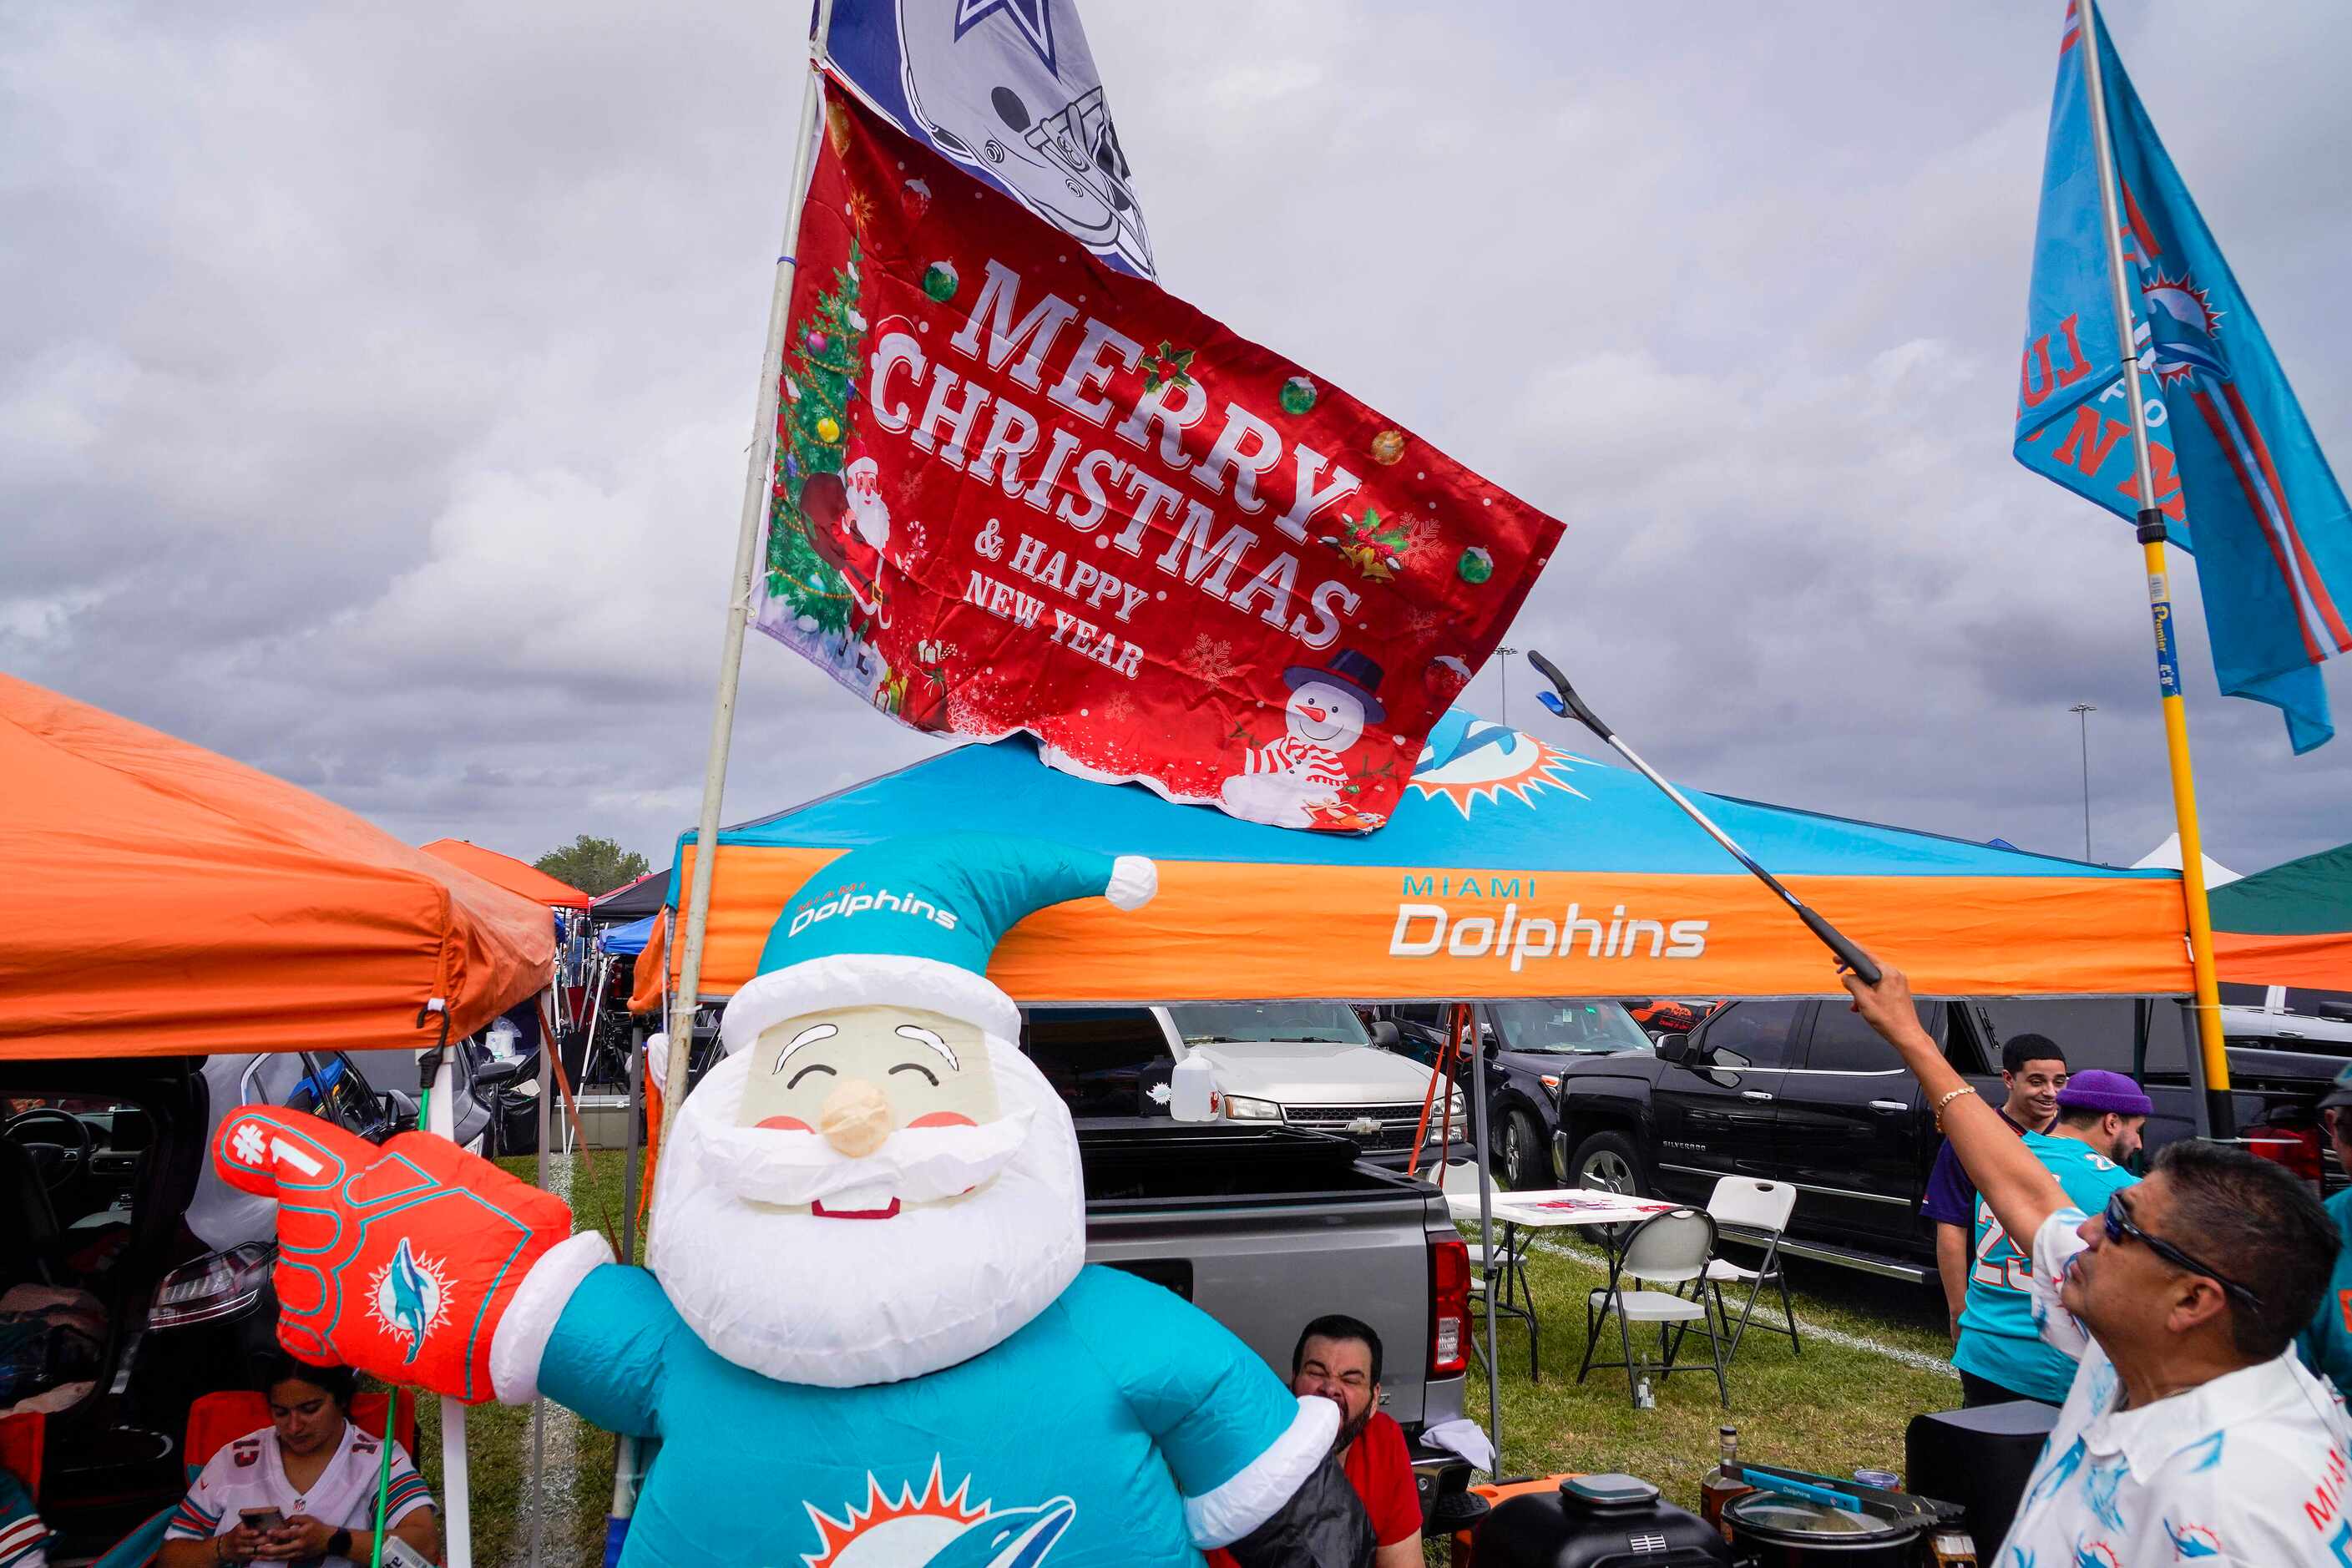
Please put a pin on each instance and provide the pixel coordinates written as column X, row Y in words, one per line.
column 490, row 1074
column 1673, row 1048
column 1386, row 1034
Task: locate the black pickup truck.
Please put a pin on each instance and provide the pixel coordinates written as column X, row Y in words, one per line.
column 1801, row 1091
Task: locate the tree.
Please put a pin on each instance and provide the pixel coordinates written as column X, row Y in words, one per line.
column 594, row 865
column 813, row 425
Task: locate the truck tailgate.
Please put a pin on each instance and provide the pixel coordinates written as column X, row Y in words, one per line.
column 1264, row 1231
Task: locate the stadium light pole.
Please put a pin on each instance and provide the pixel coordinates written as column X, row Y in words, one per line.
column 2083, row 711
column 1505, row 654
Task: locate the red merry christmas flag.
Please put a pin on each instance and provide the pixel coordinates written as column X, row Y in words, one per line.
column 1016, row 491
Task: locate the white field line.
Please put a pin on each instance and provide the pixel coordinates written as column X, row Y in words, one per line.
column 1918, row 1361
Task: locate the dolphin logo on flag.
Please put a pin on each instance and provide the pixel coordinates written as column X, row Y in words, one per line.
column 2237, row 472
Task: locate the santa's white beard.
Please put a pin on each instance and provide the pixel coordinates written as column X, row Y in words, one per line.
column 839, row 1303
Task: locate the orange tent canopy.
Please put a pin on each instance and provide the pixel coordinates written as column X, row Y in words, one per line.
column 510, row 873
column 177, row 902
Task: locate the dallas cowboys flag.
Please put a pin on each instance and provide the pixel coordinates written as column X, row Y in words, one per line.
column 2239, row 476
column 1007, row 90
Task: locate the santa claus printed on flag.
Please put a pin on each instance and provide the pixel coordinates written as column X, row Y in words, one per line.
column 1018, row 491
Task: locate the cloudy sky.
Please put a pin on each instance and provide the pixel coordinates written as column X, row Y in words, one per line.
column 374, row 381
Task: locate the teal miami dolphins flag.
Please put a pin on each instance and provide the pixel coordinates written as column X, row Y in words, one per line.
column 2238, row 474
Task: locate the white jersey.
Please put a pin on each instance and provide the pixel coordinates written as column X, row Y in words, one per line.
column 2248, row 1470
column 249, row 1472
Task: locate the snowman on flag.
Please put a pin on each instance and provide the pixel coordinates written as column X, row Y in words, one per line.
column 1299, row 779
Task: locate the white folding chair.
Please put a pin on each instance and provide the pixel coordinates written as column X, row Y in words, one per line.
column 1670, row 1249
column 1510, row 1265
column 1754, row 1212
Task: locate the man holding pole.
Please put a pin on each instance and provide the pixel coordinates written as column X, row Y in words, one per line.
column 2190, row 1431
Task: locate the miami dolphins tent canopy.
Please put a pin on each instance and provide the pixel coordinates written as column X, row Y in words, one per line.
column 2290, row 925
column 1510, row 868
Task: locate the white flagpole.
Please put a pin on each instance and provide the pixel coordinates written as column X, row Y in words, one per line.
column 759, row 474
column 2220, row 1109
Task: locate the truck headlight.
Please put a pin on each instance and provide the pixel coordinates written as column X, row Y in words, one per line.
column 1457, row 1106
column 1241, row 1107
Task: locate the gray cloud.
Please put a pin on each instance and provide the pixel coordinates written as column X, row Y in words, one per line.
column 373, row 394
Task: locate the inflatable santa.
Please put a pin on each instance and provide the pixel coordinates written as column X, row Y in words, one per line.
column 868, row 1334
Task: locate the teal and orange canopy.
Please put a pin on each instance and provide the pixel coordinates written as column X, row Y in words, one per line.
column 1511, row 869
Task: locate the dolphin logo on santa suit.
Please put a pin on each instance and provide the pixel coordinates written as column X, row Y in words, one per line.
column 1008, row 1538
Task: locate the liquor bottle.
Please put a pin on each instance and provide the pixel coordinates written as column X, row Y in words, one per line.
column 1723, row 1483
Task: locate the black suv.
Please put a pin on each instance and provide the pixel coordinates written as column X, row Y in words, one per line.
column 1529, row 1044
column 1801, row 1091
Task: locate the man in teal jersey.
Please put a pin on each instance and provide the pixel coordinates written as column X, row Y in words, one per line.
column 2001, row 1354
column 2326, row 1345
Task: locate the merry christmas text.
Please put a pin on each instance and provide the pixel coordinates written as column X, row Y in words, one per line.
column 1052, row 467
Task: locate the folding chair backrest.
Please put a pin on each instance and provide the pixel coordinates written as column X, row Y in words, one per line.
column 23, row 1437
column 220, row 1419
column 367, row 1415
column 1749, row 1204
column 1460, row 1177
column 1670, row 1248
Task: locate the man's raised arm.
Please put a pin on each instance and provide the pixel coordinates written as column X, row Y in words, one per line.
column 2020, row 1190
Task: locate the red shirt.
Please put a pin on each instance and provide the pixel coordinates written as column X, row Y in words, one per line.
column 1381, row 1472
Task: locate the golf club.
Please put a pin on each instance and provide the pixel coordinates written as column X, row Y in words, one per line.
column 1563, row 700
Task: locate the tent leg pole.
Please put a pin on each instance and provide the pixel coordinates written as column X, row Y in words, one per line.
column 456, row 1511
column 1487, row 1226
column 759, row 477
column 629, row 1146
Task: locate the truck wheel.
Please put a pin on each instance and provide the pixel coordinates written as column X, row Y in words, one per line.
column 1608, row 1161
column 1524, row 1157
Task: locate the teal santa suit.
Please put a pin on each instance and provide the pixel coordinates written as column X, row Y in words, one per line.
column 1075, row 1443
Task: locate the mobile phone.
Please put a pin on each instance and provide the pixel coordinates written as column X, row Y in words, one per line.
column 262, row 1519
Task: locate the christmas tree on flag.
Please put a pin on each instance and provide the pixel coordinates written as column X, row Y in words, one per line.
column 813, row 430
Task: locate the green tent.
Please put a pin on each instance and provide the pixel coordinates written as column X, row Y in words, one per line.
column 2290, row 925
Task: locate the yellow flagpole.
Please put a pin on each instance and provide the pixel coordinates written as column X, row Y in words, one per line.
column 2220, row 1109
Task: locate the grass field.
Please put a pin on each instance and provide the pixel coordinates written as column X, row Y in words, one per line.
column 1874, row 1356
column 1843, row 1403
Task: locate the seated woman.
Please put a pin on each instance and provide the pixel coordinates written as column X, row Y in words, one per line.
column 302, row 1488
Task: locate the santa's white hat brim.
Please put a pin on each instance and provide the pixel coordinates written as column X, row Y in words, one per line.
column 865, row 980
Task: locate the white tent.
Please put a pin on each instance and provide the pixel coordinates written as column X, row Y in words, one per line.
column 2165, row 857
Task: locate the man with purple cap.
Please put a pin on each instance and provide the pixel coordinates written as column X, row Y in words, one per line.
column 2001, row 1354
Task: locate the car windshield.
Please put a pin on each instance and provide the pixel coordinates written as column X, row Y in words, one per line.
column 1567, row 1028
column 1319, row 1023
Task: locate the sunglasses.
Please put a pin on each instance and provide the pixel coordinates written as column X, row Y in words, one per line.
column 2118, row 1222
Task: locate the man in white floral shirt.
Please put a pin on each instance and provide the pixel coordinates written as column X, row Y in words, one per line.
column 2192, row 1434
